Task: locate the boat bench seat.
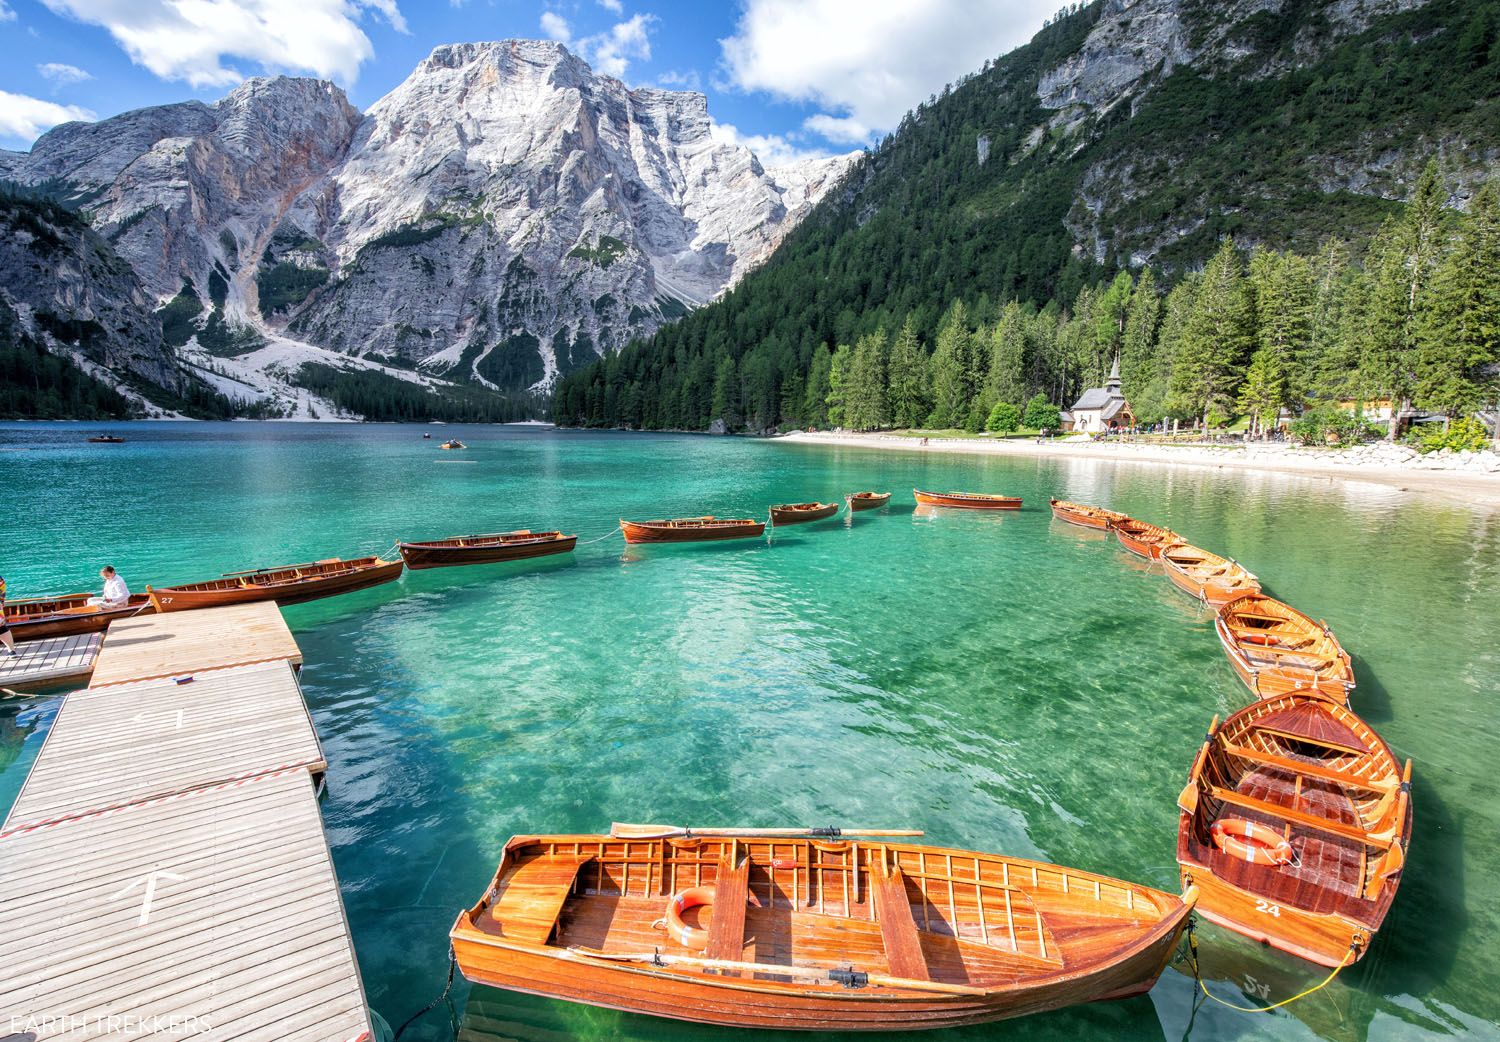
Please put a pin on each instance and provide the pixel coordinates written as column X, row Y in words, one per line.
column 529, row 900
column 726, row 928
column 898, row 929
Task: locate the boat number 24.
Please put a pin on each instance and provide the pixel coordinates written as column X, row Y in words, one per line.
column 1266, row 908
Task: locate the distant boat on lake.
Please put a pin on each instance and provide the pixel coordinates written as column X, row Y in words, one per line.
column 691, row 529
column 867, row 500
column 485, row 549
column 797, row 513
column 967, row 500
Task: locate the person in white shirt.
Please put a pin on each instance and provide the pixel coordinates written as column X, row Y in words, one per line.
column 116, row 593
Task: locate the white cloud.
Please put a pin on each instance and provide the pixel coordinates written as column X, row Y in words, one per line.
column 867, row 62
column 6, row 14
column 612, row 5
column 63, row 75
column 688, row 80
column 555, row 27
column 845, row 129
column 770, row 149
column 25, row 118
column 190, row 39
column 612, row 51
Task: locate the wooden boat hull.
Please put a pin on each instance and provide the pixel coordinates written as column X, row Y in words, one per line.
column 653, row 532
column 1316, row 778
column 727, row 1004
column 1268, row 676
column 1147, row 543
column 72, row 617
column 869, row 501
column 796, row 515
column 966, row 501
column 1102, row 939
column 1084, row 516
column 434, row 555
column 1215, row 591
column 178, row 598
column 1323, row 938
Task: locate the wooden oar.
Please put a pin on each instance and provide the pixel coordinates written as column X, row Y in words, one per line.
column 812, row 973
column 618, row 830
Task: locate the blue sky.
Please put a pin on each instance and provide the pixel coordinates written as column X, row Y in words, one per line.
column 787, row 77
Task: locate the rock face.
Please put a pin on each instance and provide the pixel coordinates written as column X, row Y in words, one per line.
column 62, row 284
column 505, row 214
column 502, row 216
column 1136, row 42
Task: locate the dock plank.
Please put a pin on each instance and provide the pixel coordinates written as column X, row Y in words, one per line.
column 183, row 642
column 225, row 724
column 43, row 663
column 243, row 938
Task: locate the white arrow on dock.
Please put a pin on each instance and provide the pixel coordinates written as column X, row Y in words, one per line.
column 149, row 881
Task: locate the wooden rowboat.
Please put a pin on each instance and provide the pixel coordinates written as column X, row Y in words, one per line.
column 1147, row 540
column 290, row 584
column 811, row 932
column 1276, row 649
column 1212, row 579
column 1294, row 827
column 1085, row 516
column 967, row 500
column 797, row 513
column 485, row 549
column 867, row 500
column 691, row 529
column 42, row 617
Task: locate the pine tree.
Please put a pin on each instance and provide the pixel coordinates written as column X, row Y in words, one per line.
column 838, row 385
column 1332, row 358
column 1282, row 285
column 726, row 398
column 1138, row 366
column 1405, row 254
column 1111, row 315
column 1217, row 337
column 909, row 397
column 865, row 407
column 1006, row 379
column 815, row 401
column 1459, row 329
column 950, row 371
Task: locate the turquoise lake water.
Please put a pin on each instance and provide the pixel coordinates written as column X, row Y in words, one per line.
column 1003, row 682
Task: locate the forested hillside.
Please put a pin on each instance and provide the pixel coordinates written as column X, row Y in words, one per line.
column 993, row 249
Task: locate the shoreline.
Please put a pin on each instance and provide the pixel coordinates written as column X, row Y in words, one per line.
column 1466, row 487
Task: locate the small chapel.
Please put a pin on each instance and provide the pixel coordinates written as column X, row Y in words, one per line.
column 1101, row 408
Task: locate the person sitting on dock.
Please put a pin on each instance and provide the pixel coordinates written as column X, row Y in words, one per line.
column 116, row 593
column 7, row 638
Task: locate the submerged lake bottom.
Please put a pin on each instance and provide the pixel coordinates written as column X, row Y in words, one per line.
column 1004, row 682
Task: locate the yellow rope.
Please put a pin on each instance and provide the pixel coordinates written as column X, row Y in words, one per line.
column 1193, row 949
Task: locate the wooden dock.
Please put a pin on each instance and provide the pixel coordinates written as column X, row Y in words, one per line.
column 214, row 914
column 184, row 642
column 40, row 664
column 226, row 723
column 164, row 868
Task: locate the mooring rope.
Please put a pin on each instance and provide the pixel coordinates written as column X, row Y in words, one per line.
column 448, row 987
column 1193, row 962
column 601, row 539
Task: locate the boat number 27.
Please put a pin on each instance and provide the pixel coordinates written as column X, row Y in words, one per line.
column 1266, row 908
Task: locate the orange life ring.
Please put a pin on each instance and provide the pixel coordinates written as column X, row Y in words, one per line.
column 1251, row 841
column 693, row 937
